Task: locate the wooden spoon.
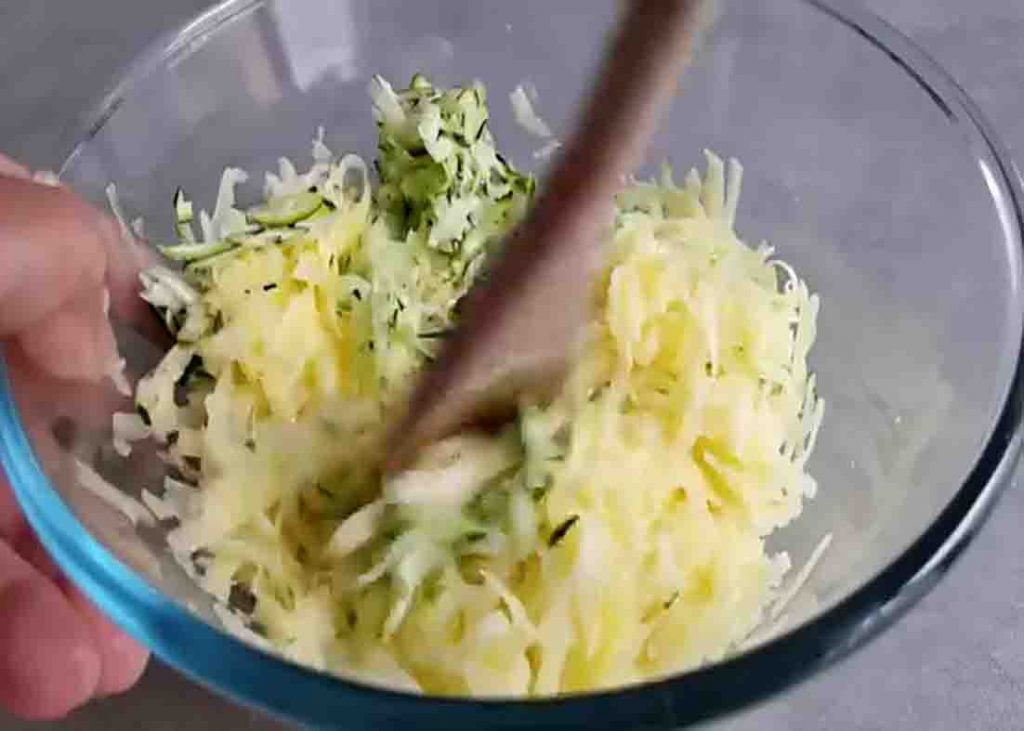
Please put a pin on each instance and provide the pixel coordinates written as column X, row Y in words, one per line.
column 521, row 322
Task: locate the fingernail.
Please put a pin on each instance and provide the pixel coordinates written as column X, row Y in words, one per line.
column 123, row 660
column 82, row 662
column 12, row 169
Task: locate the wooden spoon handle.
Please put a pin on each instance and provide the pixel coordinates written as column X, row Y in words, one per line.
column 520, row 323
column 637, row 81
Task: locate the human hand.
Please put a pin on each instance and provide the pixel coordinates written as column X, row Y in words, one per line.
column 58, row 257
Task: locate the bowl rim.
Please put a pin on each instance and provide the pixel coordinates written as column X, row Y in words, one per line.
column 216, row 659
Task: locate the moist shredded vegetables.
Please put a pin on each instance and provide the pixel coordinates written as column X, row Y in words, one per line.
column 612, row 534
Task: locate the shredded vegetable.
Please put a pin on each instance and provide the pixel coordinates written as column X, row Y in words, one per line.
column 125, row 504
column 522, row 100
column 525, row 115
column 612, row 534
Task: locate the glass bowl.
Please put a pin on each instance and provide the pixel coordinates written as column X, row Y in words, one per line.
column 867, row 167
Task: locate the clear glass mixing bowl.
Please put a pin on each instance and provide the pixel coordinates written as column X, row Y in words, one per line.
column 867, row 167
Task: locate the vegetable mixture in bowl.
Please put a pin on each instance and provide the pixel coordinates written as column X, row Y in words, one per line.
column 624, row 536
column 614, row 533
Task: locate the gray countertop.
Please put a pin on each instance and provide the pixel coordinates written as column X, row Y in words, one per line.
column 955, row 662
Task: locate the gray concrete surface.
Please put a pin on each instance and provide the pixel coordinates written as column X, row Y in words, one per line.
column 955, row 662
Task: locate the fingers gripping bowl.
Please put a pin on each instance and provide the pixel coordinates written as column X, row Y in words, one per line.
column 868, row 168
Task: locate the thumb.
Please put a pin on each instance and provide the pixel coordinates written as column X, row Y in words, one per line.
column 75, row 341
column 61, row 256
column 53, row 246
